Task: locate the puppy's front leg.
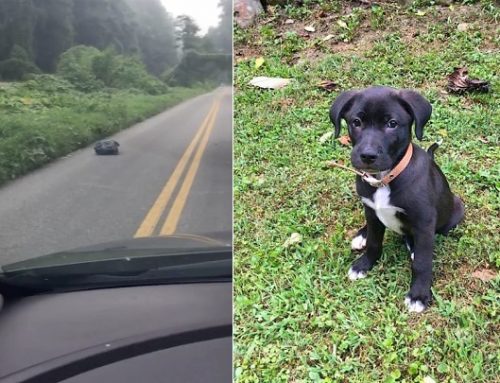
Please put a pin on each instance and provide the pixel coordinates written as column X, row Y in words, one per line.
column 419, row 296
column 374, row 239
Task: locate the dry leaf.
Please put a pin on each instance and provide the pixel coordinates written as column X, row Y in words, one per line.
column 462, row 27
column 459, row 82
column 327, row 85
column 294, row 239
column 344, row 140
column 428, row 379
column 289, row 21
column 328, row 37
column 484, row 274
column 269, row 82
column 420, row 13
column 310, row 28
column 342, row 23
column 325, row 137
column 258, row 62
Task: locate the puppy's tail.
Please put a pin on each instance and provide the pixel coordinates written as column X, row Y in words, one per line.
column 433, row 148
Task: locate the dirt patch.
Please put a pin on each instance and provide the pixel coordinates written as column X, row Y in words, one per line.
column 437, row 24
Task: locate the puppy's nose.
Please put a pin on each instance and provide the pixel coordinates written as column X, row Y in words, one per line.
column 368, row 156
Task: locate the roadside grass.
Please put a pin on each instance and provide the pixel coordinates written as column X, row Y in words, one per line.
column 297, row 317
column 46, row 119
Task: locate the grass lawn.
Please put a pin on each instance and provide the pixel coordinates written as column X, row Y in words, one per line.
column 46, row 118
column 297, row 316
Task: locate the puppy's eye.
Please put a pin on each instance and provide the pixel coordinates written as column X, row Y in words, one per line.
column 392, row 123
column 356, row 122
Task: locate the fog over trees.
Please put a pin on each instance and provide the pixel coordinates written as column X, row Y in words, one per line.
column 34, row 35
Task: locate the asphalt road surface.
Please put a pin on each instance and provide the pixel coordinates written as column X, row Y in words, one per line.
column 174, row 175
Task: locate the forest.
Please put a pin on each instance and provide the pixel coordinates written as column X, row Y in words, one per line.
column 74, row 71
column 99, row 38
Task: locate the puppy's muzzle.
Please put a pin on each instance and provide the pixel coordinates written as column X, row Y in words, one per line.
column 368, row 156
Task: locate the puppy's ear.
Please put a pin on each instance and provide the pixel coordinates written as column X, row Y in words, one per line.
column 341, row 104
column 419, row 108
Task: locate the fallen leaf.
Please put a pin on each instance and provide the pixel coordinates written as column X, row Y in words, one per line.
column 310, row 28
column 294, row 239
column 328, row 37
column 428, row 379
column 269, row 82
column 289, row 21
column 344, row 140
column 420, row 13
column 443, row 132
column 484, row 274
column 258, row 62
column 325, row 137
column 327, row 85
column 342, row 23
column 459, row 82
column 462, row 27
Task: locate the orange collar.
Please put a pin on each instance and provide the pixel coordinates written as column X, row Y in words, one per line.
column 396, row 171
column 370, row 179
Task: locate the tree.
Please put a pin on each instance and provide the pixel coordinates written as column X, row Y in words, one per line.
column 220, row 36
column 47, row 28
column 155, row 35
column 53, row 32
column 17, row 65
column 187, row 33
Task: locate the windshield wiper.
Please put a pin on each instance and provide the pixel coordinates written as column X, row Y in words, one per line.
column 209, row 265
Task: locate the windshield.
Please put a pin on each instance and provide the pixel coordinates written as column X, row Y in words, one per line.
column 115, row 141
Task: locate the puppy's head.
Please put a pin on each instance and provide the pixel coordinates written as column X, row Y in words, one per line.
column 379, row 120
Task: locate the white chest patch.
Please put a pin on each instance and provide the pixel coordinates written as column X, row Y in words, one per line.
column 385, row 212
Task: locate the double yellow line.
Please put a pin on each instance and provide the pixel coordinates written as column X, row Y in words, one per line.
column 150, row 222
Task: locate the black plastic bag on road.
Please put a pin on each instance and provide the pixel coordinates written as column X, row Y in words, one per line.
column 107, row 147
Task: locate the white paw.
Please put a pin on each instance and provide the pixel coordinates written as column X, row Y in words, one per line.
column 412, row 256
column 414, row 306
column 353, row 275
column 358, row 242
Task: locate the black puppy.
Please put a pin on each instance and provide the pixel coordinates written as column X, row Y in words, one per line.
column 403, row 189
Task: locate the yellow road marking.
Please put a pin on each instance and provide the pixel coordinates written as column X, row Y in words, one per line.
column 149, row 223
column 175, row 212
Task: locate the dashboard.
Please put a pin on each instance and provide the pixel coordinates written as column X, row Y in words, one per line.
column 161, row 333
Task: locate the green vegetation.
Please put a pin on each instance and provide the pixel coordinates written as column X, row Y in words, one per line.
column 45, row 118
column 297, row 316
column 196, row 68
column 46, row 29
column 86, row 69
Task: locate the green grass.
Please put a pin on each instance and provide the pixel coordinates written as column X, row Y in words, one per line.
column 297, row 317
column 46, row 119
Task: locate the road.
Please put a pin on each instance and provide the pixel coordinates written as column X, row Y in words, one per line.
column 174, row 174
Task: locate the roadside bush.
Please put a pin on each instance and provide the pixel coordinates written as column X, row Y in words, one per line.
column 47, row 83
column 75, row 65
column 125, row 72
column 17, row 66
